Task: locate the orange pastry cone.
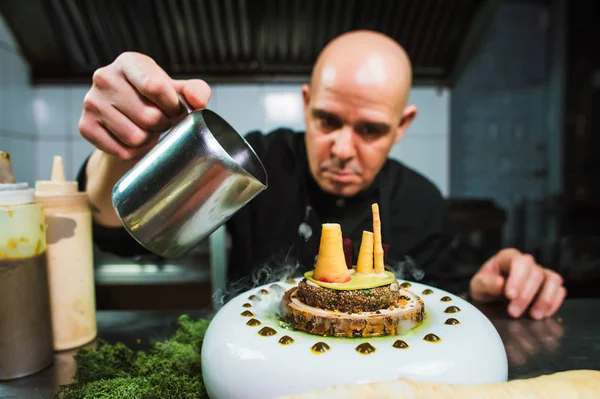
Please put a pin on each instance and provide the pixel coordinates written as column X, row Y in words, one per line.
column 364, row 264
column 331, row 263
column 377, row 247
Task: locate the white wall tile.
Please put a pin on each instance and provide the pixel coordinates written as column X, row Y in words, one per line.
column 3, row 141
column 4, row 79
column 51, row 110
column 18, row 103
column 6, row 37
column 427, row 155
column 22, row 154
column 242, row 105
column 283, row 106
column 46, row 150
column 212, row 101
column 433, row 111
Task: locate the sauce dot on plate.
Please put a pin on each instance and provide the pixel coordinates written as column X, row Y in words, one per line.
column 286, row 340
column 365, row 348
column 452, row 309
column 432, row 338
column 400, row 344
column 267, row 332
column 320, row 347
column 253, row 323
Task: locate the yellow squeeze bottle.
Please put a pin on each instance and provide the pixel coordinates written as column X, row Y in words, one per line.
column 70, row 259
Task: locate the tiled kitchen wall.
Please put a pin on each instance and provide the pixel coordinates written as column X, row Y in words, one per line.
column 17, row 127
column 42, row 121
column 247, row 107
column 506, row 118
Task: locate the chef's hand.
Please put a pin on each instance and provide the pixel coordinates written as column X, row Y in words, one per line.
column 516, row 276
column 131, row 102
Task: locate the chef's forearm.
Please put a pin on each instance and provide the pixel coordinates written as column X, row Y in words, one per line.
column 102, row 173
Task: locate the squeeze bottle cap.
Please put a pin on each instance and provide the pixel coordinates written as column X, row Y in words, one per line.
column 11, row 192
column 58, row 183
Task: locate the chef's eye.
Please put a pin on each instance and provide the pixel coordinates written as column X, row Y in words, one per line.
column 327, row 122
column 371, row 129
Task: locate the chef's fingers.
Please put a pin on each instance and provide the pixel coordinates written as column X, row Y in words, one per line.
column 558, row 301
column 151, row 81
column 546, row 299
column 519, row 268
column 195, row 91
column 530, row 287
column 486, row 287
column 492, row 266
column 143, row 150
column 127, row 132
column 140, row 110
column 94, row 132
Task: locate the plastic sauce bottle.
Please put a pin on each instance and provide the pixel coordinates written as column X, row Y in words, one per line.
column 70, row 259
column 25, row 319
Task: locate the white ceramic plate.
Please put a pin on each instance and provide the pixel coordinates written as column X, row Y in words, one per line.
column 238, row 362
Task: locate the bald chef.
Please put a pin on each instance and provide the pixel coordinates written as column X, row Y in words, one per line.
column 355, row 109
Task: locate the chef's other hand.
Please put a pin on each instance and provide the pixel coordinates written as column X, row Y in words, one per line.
column 516, row 276
column 131, row 102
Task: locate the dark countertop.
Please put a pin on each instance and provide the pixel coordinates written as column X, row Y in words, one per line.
column 570, row 340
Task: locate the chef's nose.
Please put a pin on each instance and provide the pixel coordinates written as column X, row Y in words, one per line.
column 343, row 146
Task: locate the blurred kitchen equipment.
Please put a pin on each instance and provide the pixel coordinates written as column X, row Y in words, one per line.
column 25, row 320
column 70, row 259
column 197, row 176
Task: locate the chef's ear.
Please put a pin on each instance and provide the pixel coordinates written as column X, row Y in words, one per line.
column 306, row 101
column 306, row 95
column 409, row 114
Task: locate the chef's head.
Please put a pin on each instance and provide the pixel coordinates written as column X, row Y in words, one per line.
column 355, row 109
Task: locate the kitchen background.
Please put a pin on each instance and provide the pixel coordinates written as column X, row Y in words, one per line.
column 496, row 135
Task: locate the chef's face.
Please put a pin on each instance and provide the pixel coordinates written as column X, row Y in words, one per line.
column 350, row 130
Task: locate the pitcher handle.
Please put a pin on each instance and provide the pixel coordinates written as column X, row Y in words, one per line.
column 186, row 104
column 188, row 110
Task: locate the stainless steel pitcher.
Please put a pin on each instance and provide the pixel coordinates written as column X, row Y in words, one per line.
column 194, row 180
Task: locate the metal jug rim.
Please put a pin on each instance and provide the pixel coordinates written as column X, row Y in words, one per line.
column 262, row 176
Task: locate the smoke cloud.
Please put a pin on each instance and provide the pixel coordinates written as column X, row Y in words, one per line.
column 268, row 273
column 407, row 269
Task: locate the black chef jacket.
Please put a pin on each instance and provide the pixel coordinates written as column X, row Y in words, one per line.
column 280, row 229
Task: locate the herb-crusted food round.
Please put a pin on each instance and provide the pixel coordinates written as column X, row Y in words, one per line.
column 349, row 301
column 394, row 320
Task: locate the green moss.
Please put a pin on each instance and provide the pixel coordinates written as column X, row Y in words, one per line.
column 191, row 332
column 170, row 369
column 117, row 388
column 106, row 362
column 167, row 358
